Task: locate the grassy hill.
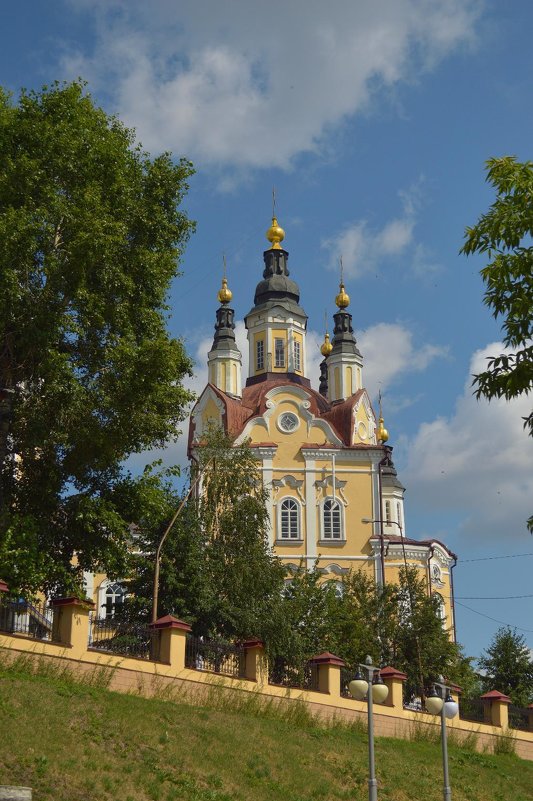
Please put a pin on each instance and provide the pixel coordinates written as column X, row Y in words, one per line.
column 80, row 742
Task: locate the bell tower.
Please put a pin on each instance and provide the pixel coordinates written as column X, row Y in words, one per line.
column 277, row 323
column 225, row 359
column 345, row 363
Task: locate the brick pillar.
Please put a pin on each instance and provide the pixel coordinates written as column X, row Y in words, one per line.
column 255, row 663
column 499, row 712
column 71, row 623
column 173, row 634
column 329, row 673
column 394, row 680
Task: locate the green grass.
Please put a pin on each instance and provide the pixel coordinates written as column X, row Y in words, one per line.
column 80, row 742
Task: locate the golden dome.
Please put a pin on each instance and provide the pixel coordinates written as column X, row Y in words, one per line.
column 275, row 234
column 343, row 299
column 326, row 347
column 383, row 434
column 224, row 294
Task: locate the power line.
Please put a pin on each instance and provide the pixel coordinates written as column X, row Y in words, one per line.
column 491, row 597
column 494, row 620
column 489, row 558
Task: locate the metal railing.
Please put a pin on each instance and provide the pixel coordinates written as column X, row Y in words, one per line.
column 303, row 676
column 518, row 718
column 124, row 638
column 32, row 619
column 472, row 709
column 215, row 656
column 413, row 700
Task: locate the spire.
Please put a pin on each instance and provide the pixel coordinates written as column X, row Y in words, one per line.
column 275, row 233
column 224, row 294
column 345, row 361
column 382, row 433
column 276, row 323
column 224, row 357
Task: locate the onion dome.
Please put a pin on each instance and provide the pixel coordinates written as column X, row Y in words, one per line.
column 224, row 294
column 275, row 235
column 382, row 432
column 326, row 347
column 343, row 299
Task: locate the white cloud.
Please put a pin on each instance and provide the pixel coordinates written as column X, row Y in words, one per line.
column 477, row 462
column 243, row 84
column 389, row 353
column 363, row 247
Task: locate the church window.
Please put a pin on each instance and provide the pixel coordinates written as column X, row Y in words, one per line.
column 288, row 422
column 260, row 354
column 331, row 520
column 279, row 352
column 399, row 514
column 114, row 598
column 387, row 513
column 441, row 609
column 297, row 357
column 290, row 519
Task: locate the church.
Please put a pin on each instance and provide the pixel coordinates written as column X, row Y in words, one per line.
column 335, row 499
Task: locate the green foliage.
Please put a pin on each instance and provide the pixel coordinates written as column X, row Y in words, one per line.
column 217, row 569
column 90, row 236
column 508, row 666
column 505, row 234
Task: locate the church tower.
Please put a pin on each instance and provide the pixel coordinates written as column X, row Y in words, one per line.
column 224, row 358
column 277, row 323
column 345, row 363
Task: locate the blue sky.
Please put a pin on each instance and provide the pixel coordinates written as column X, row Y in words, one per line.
column 373, row 120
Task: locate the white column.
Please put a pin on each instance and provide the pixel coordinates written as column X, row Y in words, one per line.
column 310, row 511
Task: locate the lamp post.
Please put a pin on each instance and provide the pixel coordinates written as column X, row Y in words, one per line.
column 375, row 690
column 439, row 701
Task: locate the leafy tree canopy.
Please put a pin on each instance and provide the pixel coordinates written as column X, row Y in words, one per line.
column 91, row 232
column 508, row 665
column 505, row 234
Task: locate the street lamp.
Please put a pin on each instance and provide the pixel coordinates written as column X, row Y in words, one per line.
column 439, row 701
column 359, row 689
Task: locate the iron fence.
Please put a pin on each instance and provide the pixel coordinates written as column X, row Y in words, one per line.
column 215, row 656
column 518, row 718
column 124, row 638
column 283, row 674
column 472, row 709
column 33, row 619
column 413, row 699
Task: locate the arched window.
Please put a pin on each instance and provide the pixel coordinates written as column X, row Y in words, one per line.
column 290, row 519
column 331, row 520
column 441, row 608
column 387, row 513
column 114, row 597
column 399, row 513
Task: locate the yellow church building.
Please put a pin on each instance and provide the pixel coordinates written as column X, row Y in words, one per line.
column 335, row 499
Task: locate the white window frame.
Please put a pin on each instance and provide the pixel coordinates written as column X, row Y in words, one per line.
column 323, row 511
column 113, row 590
column 279, row 352
column 297, row 357
column 260, row 354
column 293, row 525
column 388, row 518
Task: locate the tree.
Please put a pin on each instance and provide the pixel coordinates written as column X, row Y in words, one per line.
column 90, row 236
column 218, row 571
column 508, row 665
column 504, row 233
